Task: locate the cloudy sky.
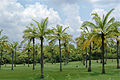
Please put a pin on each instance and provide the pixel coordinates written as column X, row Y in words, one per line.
column 15, row 15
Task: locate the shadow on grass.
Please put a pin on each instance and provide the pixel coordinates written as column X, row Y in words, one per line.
column 47, row 77
column 107, row 73
column 94, row 73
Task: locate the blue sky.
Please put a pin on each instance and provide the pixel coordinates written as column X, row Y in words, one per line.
column 15, row 15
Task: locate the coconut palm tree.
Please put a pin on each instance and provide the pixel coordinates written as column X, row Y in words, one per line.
column 30, row 34
column 3, row 43
column 66, row 39
column 42, row 32
column 102, row 28
column 15, row 44
column 80, row 40
column 51, row 49
column 87, row 41
column 118, row 41
column 11, row 50
column 90, row 52
column 58, row 34
column 116, row 35
column 27, row 48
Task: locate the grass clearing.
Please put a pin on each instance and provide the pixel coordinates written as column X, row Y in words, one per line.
column 72, row 71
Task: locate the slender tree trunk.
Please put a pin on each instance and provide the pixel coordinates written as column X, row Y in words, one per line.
column 60, row 55
column 36, row 54
column 112, row 60
column 28, row 56
column 97, row 60
column 42, row 64
column 101, row 60
column 5, row 63
column 106, row 57
column 52, row 56
column 97, row 57
column 15, row 58
column 89, row 68
column 66, row 58
column 103, row 68
column 86, row 57
column 12, row 59
column 1, row 59
column 24, row 63
column 83, row 59
column 5, row 60
column 118, row 55
column 111, row 54
column 33, row 53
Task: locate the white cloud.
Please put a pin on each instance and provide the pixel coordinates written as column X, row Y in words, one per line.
column 99, row 11
column 14, row 17
column 116, row 13
column 71, row 12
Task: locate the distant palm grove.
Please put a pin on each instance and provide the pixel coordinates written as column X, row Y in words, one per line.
column 99, row 40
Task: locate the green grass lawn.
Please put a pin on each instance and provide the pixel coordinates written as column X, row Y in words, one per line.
column 70, row 72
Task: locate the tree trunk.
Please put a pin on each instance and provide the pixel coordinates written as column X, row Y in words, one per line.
column 15, row 58
column 66, row 58
column 68, row 54
column 42, row 64
column 5, row 63
column 52, row 55
column 28, row 56
column 12, row 59
column 1, row 59
column 24, row 63
column 111, row 54
column 97, row 58
column 36, row 55
column 60, row 56
column 106, row 57
column 33, row 53
column 86, row 57
column 89, row 68
column 118, row 55
column 103, row 68
column 83, row 59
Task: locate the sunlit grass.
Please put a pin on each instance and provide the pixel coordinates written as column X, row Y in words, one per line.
column 72, row 71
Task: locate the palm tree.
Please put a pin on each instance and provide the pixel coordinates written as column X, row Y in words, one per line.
column 37, row 50
column 3, row 43
column 27, row 48
column 58, row 34
column 86, row 57
column 87, row 41
column 80, row 40
column 42, row 32
column 51, row 49
column 118, row 40
column 102, row 28
column 30, row 34
column 66, row 38
column 90, row 53
column 11, row 50
column 116, row 35
column 15, row 44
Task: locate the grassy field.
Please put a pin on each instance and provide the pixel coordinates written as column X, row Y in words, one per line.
column 70, row 72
